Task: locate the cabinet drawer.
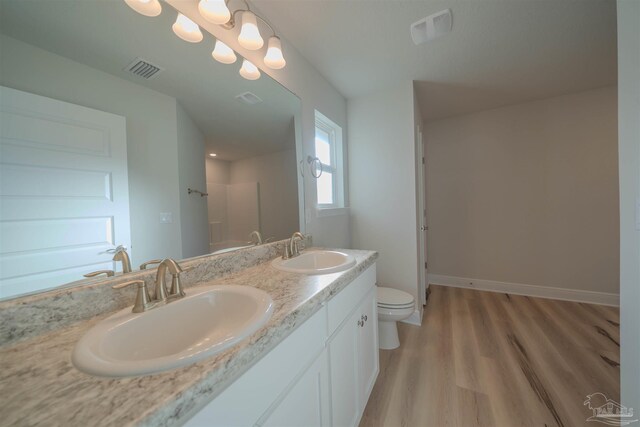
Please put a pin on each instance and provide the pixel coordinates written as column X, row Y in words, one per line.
column 246, row 399
column 341, row 305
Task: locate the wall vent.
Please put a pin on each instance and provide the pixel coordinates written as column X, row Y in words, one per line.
column 248, row 98
column 143, row 68
column 431, row 27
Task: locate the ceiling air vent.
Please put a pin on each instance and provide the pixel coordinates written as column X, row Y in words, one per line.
column 431, row 27
column 248, row 98
column 143, row 68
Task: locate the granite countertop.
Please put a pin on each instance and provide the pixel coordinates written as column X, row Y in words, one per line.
column 40, row 386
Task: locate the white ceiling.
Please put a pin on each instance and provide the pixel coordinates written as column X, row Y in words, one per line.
column 498, row 53
column 108, row 35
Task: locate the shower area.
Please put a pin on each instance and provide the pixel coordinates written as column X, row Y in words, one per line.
column 234, row 212
column 257, row 193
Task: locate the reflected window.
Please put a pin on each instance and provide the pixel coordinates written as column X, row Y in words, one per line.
column 328, row 150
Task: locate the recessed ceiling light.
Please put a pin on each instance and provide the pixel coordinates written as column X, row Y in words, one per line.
column 212, row 154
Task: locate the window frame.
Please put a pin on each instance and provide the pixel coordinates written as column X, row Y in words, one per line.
column 336, row 155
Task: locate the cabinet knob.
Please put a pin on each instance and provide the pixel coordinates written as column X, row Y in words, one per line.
column 359, row 323
column 365, row 317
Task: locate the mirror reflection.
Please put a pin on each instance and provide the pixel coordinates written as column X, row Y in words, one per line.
column 116, row 134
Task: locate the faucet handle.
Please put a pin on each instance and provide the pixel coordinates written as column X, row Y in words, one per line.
column 109, row 273
column 258, row 237
column 115, row 250
column 176, row 286
column 144, row 265
column 286, row 254
column 143, row 301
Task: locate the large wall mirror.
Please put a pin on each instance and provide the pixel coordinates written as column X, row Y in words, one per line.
column 116, row 132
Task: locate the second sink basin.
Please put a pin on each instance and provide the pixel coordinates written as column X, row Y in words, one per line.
column 316, row 262
column 206, row 321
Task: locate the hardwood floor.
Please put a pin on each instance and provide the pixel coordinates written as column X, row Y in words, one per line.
column 490, row 359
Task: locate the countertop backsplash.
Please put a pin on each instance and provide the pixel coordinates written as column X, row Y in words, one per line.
column 28, row 316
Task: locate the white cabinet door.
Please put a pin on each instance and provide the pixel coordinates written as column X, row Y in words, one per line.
column 64, row 193
column 368, row 346
column 343, row 362
column 307, row 402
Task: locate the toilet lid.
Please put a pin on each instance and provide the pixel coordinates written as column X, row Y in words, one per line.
column 389, row 297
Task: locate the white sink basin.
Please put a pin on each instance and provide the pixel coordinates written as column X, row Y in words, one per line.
column 206, row 321
column 316, row 262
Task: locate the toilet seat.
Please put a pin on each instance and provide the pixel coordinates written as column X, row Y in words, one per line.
column 393, row 299
column 395, row 307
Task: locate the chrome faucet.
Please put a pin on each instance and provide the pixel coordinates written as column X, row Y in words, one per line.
column 291, row 248
column 120, row 254
column 258, row 236
column 176, row 290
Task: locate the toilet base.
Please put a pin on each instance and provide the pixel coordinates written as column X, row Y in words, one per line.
column 388, row 335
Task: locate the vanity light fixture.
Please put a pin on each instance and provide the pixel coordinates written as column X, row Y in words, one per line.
column 249, row 36
column 223, row 53
column 145, row 7
column 187, row 30
column 213, row 155
column 274, row 58
column 249, row 71
column 217, row 12
column 214, row 11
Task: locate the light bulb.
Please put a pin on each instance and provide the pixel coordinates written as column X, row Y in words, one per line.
column 249, row 71
column 187, row 30
column 249, row 37
column 273, row 58
column 223, row 53
column 145, row 7
column 214, row 11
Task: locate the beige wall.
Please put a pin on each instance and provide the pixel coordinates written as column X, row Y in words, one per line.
column 527, row 193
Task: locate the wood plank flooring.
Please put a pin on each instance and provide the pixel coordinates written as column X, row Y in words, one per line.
column 490, row 359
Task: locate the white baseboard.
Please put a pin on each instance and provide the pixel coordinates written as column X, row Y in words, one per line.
column 415, row 318
column 591, row 297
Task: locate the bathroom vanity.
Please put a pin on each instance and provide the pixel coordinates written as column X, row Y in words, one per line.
column 314, row 362
column 320, row 375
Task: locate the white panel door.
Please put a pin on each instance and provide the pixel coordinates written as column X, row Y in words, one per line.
column 64, row 196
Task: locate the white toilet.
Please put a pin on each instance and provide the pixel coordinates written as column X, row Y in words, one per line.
column 393, row 305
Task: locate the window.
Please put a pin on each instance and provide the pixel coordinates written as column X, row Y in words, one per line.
column 328, row 150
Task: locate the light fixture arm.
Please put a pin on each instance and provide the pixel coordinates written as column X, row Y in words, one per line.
column 232, row 22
